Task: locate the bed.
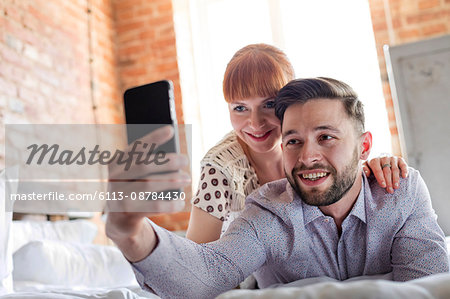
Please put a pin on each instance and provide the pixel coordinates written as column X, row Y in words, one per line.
column 59, row 260
column 433, row 286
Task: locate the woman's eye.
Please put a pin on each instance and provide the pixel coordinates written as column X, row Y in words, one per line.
column 270, row 104
column 239, row 108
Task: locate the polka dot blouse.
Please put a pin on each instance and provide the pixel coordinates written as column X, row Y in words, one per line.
column 214, row 193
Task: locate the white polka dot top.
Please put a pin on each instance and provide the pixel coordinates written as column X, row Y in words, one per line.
column 225, row 180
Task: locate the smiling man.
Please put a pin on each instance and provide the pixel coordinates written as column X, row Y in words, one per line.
column 324, row 142
column 325, row 220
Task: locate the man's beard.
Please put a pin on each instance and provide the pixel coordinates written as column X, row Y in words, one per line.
column 342, row 183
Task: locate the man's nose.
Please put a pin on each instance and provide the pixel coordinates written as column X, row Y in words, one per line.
column 310, row 154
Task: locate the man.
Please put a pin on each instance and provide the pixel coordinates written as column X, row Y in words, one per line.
column 325, row 219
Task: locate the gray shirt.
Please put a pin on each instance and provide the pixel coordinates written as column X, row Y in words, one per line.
column 282, row 239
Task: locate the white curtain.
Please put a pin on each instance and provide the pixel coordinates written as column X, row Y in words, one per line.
column 321, row 38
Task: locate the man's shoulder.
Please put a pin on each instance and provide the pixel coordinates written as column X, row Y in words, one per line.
column 271, row 193
column 404, row 199
column 406, row 185
column 274, row 200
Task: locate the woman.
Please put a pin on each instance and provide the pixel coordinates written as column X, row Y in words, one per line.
column 251, row 155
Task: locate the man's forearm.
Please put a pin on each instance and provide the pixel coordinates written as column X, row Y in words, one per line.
column 180, row 268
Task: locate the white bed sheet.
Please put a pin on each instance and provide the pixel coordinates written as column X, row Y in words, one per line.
column 33, row 290
column 435, row 286
column 119, row 293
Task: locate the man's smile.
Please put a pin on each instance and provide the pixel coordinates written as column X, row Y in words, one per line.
column 313, row 177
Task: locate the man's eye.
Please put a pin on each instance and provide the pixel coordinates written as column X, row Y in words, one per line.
column 270, row 104
column 239, row 108
column 326, row 137
column 292, row 141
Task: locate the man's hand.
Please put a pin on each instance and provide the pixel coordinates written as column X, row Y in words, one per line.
column 126, row 224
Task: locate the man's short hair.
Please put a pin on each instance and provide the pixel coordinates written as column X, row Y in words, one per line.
column 304, row 90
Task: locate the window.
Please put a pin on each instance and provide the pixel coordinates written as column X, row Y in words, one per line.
column 321, row 38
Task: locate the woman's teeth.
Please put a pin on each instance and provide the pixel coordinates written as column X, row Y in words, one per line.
column 314, row 176
column 259, row 135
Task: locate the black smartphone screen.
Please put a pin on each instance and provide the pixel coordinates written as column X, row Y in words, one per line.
column 153, row 105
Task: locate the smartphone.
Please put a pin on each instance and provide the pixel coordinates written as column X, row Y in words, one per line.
column 151, row 106
column 147, row 108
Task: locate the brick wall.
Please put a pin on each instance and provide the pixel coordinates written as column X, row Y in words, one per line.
column 146, row 44
column 397, row 22
column 106, row 96
column 44, row 70
column 70, row 61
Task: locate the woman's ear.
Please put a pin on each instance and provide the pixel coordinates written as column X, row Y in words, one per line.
column 366, row 145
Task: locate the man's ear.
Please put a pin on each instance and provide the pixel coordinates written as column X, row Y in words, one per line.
column 366, row 145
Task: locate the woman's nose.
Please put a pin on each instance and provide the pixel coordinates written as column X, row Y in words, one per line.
column 256, row 120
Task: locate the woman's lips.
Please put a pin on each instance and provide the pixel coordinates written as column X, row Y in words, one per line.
column 259, row 137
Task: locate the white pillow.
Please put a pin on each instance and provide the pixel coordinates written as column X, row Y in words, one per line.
column 72, row 264
column 77, row 231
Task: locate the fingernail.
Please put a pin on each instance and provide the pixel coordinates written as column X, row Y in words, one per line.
column 396, row 184
column 383, row 184
column 390, row 190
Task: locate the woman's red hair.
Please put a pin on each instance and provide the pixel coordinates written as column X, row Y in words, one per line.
column 257, row 70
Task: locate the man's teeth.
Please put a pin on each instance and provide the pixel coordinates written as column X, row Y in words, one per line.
column 314, row 176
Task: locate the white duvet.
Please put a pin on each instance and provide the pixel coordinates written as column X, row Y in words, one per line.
column 434, row 286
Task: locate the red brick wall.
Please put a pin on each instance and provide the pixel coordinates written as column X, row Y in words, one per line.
column 146, row 44
column 107, row 99
column 69, row 61
column 397, row 22
column 44, row 66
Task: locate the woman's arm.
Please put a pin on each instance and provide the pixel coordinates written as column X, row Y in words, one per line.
column 210, row 206
column 203, row 227
column 387, row 171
